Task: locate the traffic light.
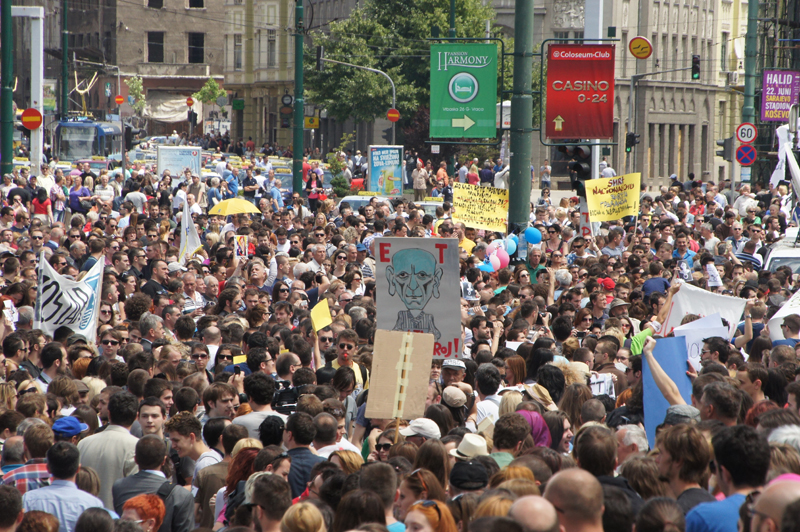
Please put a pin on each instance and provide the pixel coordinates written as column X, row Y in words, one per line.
column 191, row 116
column 727, row 149
column 387, row 135
column 631, row 140
column 320, row 57
column 695, row 67
column 131, row 132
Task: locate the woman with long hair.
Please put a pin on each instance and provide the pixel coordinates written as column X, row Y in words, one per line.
column 418, row 485
column 522, row 276
column 339, row 264
column 42, row 207
column 516, row 371
column 560, row 430
column 574, row 397
column 78, row 196
column 358, row 507
column 430, row 516
column 433, row 456
column 280, row 291
column 583, row 323
column 353, row 279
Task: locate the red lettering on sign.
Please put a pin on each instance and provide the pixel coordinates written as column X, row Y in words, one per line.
column 441, row 248
column 447, row 351
column 383, row 254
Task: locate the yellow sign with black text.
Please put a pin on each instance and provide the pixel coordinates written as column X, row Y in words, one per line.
column 613, row 198
column 480, row 207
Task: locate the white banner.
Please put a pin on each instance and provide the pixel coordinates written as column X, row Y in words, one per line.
column 64, row 303
column 693, row 300
column 695, row 332
column 792, row 306
column 190, row 240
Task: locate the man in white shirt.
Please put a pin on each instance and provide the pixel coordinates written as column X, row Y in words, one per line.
column 325, row 441
column 180, row 197
column 222, row 165
column 104, row 191
column 487, row 381
column 608, row 172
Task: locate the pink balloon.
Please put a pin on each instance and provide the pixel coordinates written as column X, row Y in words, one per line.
column 502, row 257
column 495, row 260
column 492, row 247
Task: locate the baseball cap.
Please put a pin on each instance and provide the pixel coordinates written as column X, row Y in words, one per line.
column 175, row 267
column 454, row 363
column 361, row 247
column 69, row 426
column 453, row 397
column 680, row 414
column 422, row 427
column 77, row 338
column 608, row 283
column 469, row 476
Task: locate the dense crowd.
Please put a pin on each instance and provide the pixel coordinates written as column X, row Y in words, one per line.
column 209, row 401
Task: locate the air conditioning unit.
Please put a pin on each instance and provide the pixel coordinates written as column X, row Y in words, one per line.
column 733, row 78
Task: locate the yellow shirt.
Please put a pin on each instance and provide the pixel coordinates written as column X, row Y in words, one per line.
column 360, row 384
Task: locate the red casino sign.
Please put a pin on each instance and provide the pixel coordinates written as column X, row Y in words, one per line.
column 580, row 91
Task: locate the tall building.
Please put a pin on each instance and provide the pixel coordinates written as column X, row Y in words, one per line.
column 171, row 44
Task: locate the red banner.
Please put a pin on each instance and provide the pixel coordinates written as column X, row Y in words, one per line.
column 580, row 91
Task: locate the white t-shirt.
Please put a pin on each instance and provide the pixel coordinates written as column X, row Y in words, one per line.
column 608, row 172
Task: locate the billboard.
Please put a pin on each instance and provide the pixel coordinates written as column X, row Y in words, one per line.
column 177, row 158
column 386, row 170
column 780, row 89
column 580, row 91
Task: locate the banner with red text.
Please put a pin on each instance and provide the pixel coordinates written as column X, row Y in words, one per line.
column 612, row 198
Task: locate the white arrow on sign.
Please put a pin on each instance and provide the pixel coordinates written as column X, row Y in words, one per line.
column 465, row 122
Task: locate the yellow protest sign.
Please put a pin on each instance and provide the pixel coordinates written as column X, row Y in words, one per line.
column 612, row 198
column 480, row 207
column 321, row 315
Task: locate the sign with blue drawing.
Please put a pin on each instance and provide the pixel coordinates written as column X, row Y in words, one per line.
column 746, row 155
column 386, row 170
column 419, row 291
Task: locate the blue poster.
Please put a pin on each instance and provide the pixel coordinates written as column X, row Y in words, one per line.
column 386, row 170
column 672, row 356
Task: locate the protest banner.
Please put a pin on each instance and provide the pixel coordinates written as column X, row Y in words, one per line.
column 61, row 302
column 190, row 240
column 693, row 300
column 386, row 170
column 480, row 207
column 418, row 289
column 695, row 332
column 401, row 367
column 671, row 355
column 612, row 198
column 791, row 306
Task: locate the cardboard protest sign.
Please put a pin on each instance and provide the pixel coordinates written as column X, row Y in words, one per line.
column 480, row 207
column 612, row 198
column 401, row 368
column 693, row 300
column 386, row 170
column 695, row 332
column 671, row 355
column 418, row 289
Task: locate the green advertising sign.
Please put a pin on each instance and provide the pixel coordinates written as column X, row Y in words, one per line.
column 463, row 90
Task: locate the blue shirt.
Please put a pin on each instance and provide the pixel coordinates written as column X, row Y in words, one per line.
column 720, row 516
column 791, row 342
column 655, row 284
column 64, row 500
column 233, row 182
column 688, row 257
column 300, row 472
column 276, row 195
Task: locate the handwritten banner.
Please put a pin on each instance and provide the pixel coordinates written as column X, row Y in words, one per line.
column 480, row 207
column 614, row 197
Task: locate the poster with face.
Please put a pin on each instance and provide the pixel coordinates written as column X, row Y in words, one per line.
column 418, row 289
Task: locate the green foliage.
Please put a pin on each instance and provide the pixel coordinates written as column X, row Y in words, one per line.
column 209, row 92
column 136, row 91
column 339, row 182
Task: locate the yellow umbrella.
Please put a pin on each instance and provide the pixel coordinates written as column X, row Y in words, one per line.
column 233, row 206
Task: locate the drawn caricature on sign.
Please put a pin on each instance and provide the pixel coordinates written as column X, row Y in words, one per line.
column 419, row 290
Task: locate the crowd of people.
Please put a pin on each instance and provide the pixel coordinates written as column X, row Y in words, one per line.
column 207, row 399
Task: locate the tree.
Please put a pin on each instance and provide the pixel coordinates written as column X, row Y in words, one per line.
column 339, row 183
column 136, row 91
column 209, row 92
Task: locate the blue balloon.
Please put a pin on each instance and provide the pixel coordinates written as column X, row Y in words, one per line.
column 511, row 246
column 515, row 238
column 486, row 267
column 533, row 235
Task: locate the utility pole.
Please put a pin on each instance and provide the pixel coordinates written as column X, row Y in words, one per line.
column 7, row 93
column 750, row 52
column 64, row 61
column 521, row 118
column 593, row 29
column 299, row 101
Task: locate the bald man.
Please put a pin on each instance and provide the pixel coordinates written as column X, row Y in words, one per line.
column 535, row 514
column 577, row 496
column 772, row 503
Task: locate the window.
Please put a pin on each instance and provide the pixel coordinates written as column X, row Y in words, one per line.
column 196, row 4
column 155, row 4
column 272, row 48
column 723, row 51
column 155, row 46
column 197, row 48
column 561, row 34
column 237, row 52
column 578, row 35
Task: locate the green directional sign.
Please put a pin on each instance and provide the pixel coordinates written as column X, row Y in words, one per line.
column 463, row 90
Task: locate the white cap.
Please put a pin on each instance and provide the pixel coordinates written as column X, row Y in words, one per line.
column 422, row 427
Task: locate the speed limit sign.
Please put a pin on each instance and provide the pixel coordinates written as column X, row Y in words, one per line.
column 746, row 133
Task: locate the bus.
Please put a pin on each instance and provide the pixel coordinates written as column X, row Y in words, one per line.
column 84, row 138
